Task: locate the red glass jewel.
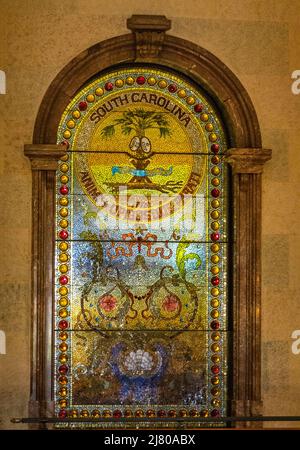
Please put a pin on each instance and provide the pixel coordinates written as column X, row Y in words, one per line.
column 215, row 325
column 215, row 192
column 215, row 236
column 63, row 369
column 198, row 108
column 63, row 324
column 62, row 414
column 63, row 234
column 64, row 190
column 141, row 80
column 109, row 86
column 215, row 413
column 82, row 106
column 215, row 148
column 63, row 279
column 215, row 370
column 161, row 413
column 117, row 414
column 66, row 144
column 215, row 281
column 172, row 88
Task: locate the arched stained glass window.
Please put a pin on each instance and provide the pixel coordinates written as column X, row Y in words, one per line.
column 141, row 251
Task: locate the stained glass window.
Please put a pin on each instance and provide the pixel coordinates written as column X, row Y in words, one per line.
column 141, row 252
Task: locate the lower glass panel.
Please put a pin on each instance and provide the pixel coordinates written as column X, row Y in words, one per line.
column 137, row 374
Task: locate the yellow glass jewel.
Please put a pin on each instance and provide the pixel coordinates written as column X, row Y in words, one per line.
column 204, row 413
column 96, row 413
column 63, row 347
column 71, row 124
column 119, row 83
column 63, row 212
column 63, row 268
column 67, row 134
column 183, row 413
column 63, row 392
column 215, row 181
column 190, row 100
column 63, row 335
column 74, row 413
column 64, row 179
column 63, row 257
column 139, row 413
column 130, row 81
column 162, row 84
column 64, row 167
column 213, row 137
column 99, row 91
column 215, row 214
column 63, row 201
column 215, row 348
column 63, row 313
column 215, row 292
column 209, row 127
column 63, row 380
column 151, row 81
column 216, row 336
column 216, row 359
column 65, row 157
column 215, row 226
column 214, row 314
column 215, row 170
column 216, row 402
column 215, row 391
column 215, row 303
column 106, row 413
column 215, row 381
column 63, row 246
column 76, row 114
column 204, row 117
column 84, row 413
column 215, row 203
column 215, row 248
column 63, row 403
column 216, row 159
column 181, row 93
column 63, row 223
column 63, row 290
column 63, row 358
column 194, row 413
column 90, row 98
column 127, row 413
column 215, row 270
column 63, row 301
column 215, row 259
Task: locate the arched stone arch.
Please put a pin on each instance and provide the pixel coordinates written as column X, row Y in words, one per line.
column 148, row 43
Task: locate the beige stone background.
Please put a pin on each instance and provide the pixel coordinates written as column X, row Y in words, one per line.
column 260, row 41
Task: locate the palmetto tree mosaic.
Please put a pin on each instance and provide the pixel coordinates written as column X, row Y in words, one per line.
column 137, row 122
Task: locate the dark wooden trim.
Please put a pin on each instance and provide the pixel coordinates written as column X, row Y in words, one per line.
column 149, row 43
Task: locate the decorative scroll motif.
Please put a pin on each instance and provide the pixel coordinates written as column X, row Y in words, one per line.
column 141, row 248
column 149, row 33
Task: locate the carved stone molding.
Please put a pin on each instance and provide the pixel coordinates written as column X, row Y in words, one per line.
column 44, row 162
column 248, row 160
column 149, row 34
column 247, row 165
column 44, row 157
